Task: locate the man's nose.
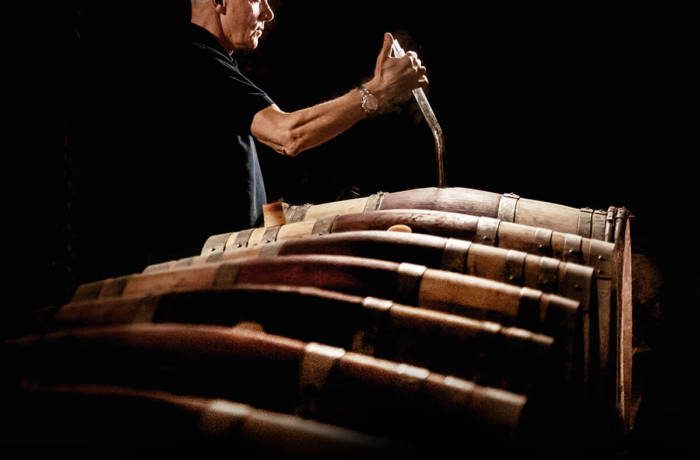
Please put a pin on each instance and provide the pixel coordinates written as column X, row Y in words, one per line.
column 266, row 14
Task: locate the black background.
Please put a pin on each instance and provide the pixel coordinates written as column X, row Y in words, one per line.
column 575, row 104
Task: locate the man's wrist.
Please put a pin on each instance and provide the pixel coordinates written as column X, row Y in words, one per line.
column 369, row 102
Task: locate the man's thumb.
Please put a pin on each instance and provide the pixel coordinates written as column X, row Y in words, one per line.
column 386, row 50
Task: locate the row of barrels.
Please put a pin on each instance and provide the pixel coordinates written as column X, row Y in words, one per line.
column 322, row 332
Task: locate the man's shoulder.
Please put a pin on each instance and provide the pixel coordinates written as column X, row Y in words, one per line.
column 208, row 62
column 205, row 51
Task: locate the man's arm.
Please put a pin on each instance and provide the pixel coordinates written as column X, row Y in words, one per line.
column 292, row 133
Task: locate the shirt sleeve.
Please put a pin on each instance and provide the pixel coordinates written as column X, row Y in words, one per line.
column 239, row 95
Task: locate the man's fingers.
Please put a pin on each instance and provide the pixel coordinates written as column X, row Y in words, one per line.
column 414, row 60
column 386, row 50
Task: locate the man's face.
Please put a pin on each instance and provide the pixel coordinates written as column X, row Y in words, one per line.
column 244, row 22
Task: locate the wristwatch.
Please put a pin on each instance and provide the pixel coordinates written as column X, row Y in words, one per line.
column 370, row 104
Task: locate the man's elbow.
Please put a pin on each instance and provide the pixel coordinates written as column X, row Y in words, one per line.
column 277, row 133
column 282, row 142
column 293, row 145
column 290, row 151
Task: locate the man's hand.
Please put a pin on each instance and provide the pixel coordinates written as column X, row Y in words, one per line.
column 394, row 78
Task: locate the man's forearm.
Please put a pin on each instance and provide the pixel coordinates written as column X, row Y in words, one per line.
column 292, row 133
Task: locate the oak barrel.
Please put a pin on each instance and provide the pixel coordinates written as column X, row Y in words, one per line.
column 482, row 230
column 405, row 283
column 274, row 373
column 602, row 224
column 81, row 414
column 457, row 255
column 410, row 284
column 484, row 352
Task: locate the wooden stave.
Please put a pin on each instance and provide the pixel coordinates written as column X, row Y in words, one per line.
column 90, row 414
column 474, row 350
column 163, row 356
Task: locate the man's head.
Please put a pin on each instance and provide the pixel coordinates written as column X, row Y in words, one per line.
column 237, row 24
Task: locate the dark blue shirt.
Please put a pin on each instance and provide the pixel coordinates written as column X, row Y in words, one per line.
column 222, row 103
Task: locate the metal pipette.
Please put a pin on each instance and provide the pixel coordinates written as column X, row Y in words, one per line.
column 429, row 116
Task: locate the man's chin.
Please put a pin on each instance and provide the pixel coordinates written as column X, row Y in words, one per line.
column 249, row 45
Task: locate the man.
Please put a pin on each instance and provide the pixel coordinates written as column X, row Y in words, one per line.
column 230, row 110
